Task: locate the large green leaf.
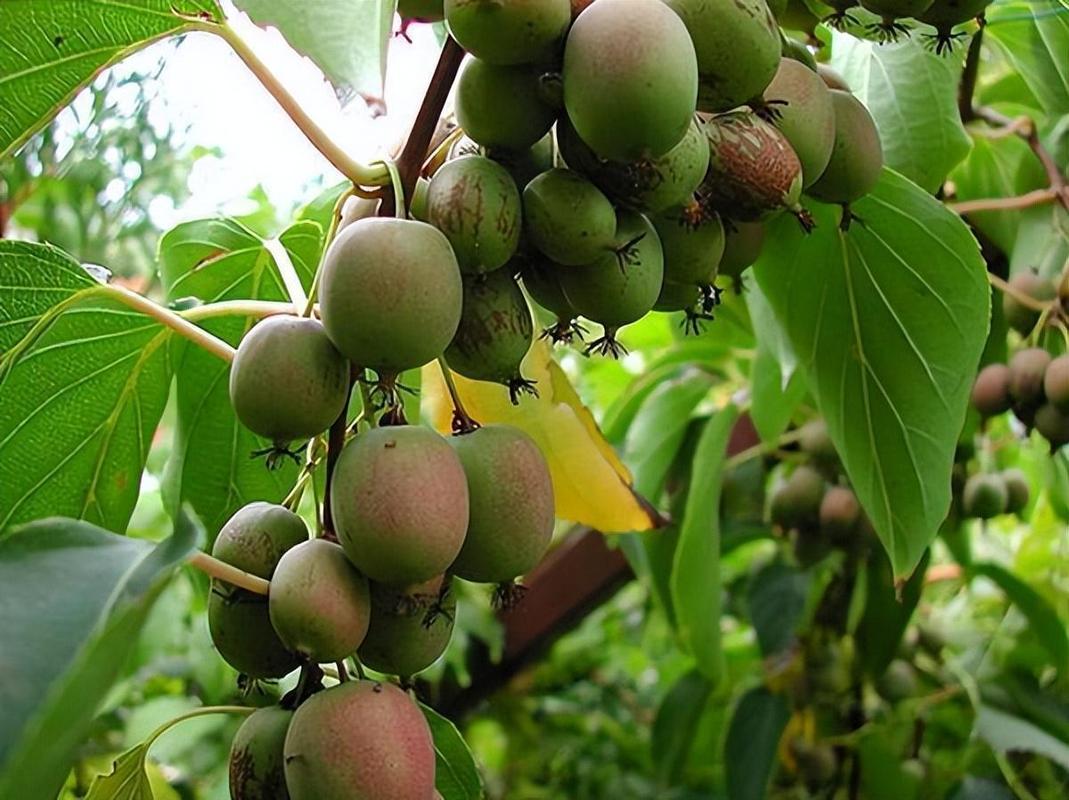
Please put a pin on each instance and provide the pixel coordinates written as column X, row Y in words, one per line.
column 695, row 582
column 1034, row 37
column 49, row 49
column 83, row 595
column 912, row 94
column 752, row 739
column 886, row 615
column 210, row 465
column 776, row 385
column 776, row 596
column 82, row 393
column 1009, row 734
column 455, row 776
column 889, row 319
column 347, row 39
column 676, row 724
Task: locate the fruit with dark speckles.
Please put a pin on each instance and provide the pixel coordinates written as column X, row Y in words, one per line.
column 856, row 157
column 567, row 217
column 410, row 627
column 256, row 765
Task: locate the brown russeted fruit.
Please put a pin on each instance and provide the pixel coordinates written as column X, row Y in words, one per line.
column 1027, row 369
column 630, row 78
column 738, row 47
column 647, row 184
column 516, row 32
column 692, row 249
column 1017, row 490
column 856, row 157
column 743, row 242
column 891, row 12
column 991, row 391
column 256, row 765
column 1020, row 317
column 567, row 217
column 475, row 203
column 495, row 333
column 390, row 293
column 287, row 380
column 359, row 740
column 1053, row 425
column 410, row 627
column 511, row 495
column 400, row 504
column 621, row 286
column 803, row 112
column 540, row 279
column 796, row 503
column 253, row 540
column 753, row 171
column 320, row 604
column 1056, row 382
column 984, row 496
column 502, row 106
column 945, row 15
column 839, row 512
column 898, row 682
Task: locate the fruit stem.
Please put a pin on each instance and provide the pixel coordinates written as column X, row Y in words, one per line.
column 462, row 422
column 177, row 323
column 287, row 273
column 332, row 231
column 761, row 448
column 1025, row 300
column 243, row 711
column 343, row 673
column 969, row 74
column 357, row 172
column 1037, row 197
column 367, row 411
column 229, row 308
column 227, row 573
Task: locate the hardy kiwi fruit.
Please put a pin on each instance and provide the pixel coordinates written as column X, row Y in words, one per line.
column 898, row 682
column 984, row 496
column 410, row 627
column 516, row 32
column 796, row 503
column 502, row 106
column 804, row 115
column 945, row 15
column 856, row 157
column 890, row 11
column 991, row 390
column 742, row 247
column 814, row 439
column 1056, row 383
column 839, row 512
column 1027, row 370
column 1017, row 490
column 691, row 250
column 1019, row 316
column 256, row 765
column 567, row 217
column 1053, row 425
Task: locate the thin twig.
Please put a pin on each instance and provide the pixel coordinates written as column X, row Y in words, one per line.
column 969, row 74
column 179, row 324
column 1034, row 198
column 460, row 413
column 1024, row 299
column 237, row 308
column 1026, row 129
column 228, row 573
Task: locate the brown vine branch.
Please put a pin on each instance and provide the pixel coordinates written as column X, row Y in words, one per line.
column 229, row 574
column 1034, row 198
column 969, row 74
column 335, row 442
column 1025, row 300
column 1025, row 128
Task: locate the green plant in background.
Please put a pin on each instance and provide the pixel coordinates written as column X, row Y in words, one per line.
column 850, row 561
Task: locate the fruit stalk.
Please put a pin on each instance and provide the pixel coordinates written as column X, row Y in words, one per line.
column 462, row 422
column 215, row 568
column 179, row 324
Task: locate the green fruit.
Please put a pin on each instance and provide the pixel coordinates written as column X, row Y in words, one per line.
column 898, row 682
column 421, row 10
column 542, row 284
column 738, row 47
column 753, row 172
column 814, row 439
column 567, row 217
column 1056, row 383
column 257, row 769
column 1019, row 316
column 287, row 381
column 805, row 116
column 1017, row 490
column 945, row 15
column 417, row 208
column 410, row 628
column 742, row 247
column 320, row 605
column 390, row 293
column 856, row 157
column 253, row 540
column 502, row 106
column 1053, row 425
column 777, row 7
column 359, row 740
column 630, row 78
column 677, row 297
column 495, row 332
column 890, row 11
column 991, row 391
column 1027, row 370
column 691, row 252
column 832, row 79
column 400, row 504
column 839, row 512
column 796, row 503
column 511, row 504
column 984, row 496
column 516, row 32
column 816, row 762
column 798, row 51
column 525, row 165
column 476, row 204
column 619, row 287
column 797, row 17
column 648, row 185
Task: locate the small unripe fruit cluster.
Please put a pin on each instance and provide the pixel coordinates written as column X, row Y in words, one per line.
column 1021, row 316
column 991, row 494
column 940, row 18
column 662, row 176
column 1035, row 386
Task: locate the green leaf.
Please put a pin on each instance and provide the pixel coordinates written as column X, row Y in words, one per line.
column 1057, row 480
column 217, row 260
column 912, row 94
column 347, row 40
column 695, row 582
column 82, row 393
column 1009, row 734
column 94, row 590
column 974, row 788
column 776, row 385
column 889, row 319
column 887, row 613
column 777, row 596
column 752, row 741
column 127, row 780
column 49, row 50
column 677, row 723
column 456, row 776
column 1041, row 616
column 882, row 776
column 1034, row 37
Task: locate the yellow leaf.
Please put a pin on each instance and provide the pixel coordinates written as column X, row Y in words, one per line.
column 590, row 482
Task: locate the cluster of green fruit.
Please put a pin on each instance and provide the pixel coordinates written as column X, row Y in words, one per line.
column 985, row 495
column 1034, row 386
column 621, row 155
column 943, row 15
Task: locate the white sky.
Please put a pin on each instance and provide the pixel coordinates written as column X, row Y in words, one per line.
column 206, row 86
